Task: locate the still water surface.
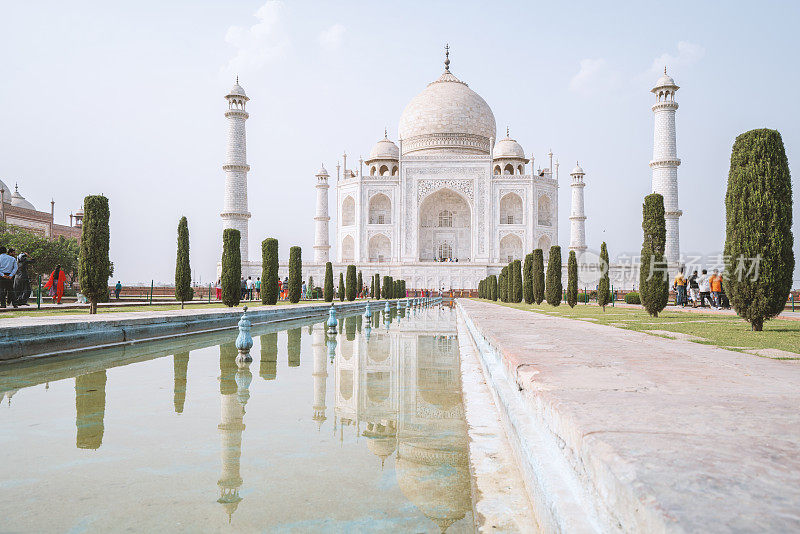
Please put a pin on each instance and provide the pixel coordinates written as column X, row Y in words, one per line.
column 360, row 432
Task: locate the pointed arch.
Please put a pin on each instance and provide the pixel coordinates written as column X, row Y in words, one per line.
column 348, row 211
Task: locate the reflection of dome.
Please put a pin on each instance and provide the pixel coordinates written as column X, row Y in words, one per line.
column 382, row 447
column 447, row 115
column 436, row 481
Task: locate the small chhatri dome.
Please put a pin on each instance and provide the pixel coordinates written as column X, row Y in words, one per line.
column 237, row 90
column 322, row 171
column 384, row 149
column 577, row 169
column 19, row 201
column 508, row 148
column 665, row 81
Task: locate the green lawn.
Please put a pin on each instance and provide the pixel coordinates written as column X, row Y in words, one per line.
column 727, row 331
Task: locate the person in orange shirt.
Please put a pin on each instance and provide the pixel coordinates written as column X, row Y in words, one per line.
column 56, row 284
column 716, row 288
column 680, row 288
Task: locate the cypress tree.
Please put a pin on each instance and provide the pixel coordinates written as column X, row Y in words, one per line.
column 554, row 289
column 604, row 287
column 527, row 279
column 295, row 274
column 93, row 262
column 653, row 281
column 231, row 267
column 377, row 294
column 342, row 293
column 360, row 283
column 493, row 287
column 516, row 285
column 350, row 286
column 328, row 292
column 269, row 271
column 572, row 279
column 387, row 288
column 758, row 233
column 504, row 284
column 183, row 272
column 538, row 276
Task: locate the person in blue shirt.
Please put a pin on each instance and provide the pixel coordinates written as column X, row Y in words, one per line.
column 8, row 268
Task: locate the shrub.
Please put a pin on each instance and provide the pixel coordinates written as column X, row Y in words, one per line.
column 632, row 298
column 328, row 293
column 269, row 271
column 572, row 279
column 758, row 205
column 538, row 276
column 516, row 285
column 604, row 295
column 350, row 282
column 493, row 287
column 231, row 267
column 527, row 279
column 93, row 262
column 359, row 284
column 377, row 293
column 504, row 284
column 653, row 282
column 387, row 288
column 341, row 287
column 295, row 274
column 553, row 285
column 183, row 272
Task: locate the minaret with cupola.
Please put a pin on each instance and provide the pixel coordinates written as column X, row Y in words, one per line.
column 577, row 216
column 235, row 213
column 665, row 161
column 322, row 245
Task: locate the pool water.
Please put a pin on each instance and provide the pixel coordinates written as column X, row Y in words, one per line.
column 359, row 432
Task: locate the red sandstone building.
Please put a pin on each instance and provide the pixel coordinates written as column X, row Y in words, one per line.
column 17, row 211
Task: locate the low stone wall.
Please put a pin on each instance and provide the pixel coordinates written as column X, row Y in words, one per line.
column 53, row 335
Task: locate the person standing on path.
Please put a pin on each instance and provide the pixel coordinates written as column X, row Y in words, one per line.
column 716, row 289
column 248, row 286
column 705, row 289
column 680, row 288
column 258, row 288
column 56, row 284
column 8, row 268
column 694, row 289
column 117, row 289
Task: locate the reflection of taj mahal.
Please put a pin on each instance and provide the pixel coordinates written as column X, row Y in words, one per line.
column 400, row 389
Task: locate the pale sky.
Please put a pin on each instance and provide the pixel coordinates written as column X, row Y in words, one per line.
column 126, row 99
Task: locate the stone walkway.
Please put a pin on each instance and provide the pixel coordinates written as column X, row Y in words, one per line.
column 667, row 435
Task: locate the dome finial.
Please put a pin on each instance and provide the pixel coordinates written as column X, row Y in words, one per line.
column 385, row 133
column 507, row 134
column 665, row 70
column 237, row 79
column 447, row 57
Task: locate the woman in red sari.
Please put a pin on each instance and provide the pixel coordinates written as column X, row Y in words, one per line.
column 56, row 284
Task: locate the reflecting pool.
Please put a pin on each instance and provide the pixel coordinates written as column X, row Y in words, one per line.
column 361, row 431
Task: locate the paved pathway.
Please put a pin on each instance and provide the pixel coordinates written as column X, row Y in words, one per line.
column 672, row 435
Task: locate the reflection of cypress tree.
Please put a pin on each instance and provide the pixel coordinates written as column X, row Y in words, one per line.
column 376, row 319
column 180, row 364
column 350, row 327
column 269, row 356
column 293, row 346
column 90, row 407
column 359, row 321
column 227, row 368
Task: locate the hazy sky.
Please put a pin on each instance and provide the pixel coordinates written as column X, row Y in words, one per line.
column 126, row 99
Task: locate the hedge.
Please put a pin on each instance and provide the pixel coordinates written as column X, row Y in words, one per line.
column 269, row 271
column 295, row 274
column 231, row 267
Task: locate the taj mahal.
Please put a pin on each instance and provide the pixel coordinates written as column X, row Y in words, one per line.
column 448, row 203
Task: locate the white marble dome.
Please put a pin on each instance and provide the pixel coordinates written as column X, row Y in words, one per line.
column 19, row 201
column 578, row 169
column 384, row 149
column 448, row 115
column 237, row 90
column 7, row 194
column 508, row 148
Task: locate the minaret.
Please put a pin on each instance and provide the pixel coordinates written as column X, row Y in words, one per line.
column 322, row 245
column 234, row 213
column 320, row 373
column 665, row 161
column 577, row 217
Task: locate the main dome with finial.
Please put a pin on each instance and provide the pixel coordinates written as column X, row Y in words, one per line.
column 447, row 116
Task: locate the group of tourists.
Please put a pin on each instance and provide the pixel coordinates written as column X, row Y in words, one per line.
column 697, row 289
column 250, row 290
column 15, row 284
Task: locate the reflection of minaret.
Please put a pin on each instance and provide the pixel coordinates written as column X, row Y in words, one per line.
column 90, row 406
column 320, row 373
column 180, row 364
column 293, row 346
column 269, row 356
column 230, row 430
